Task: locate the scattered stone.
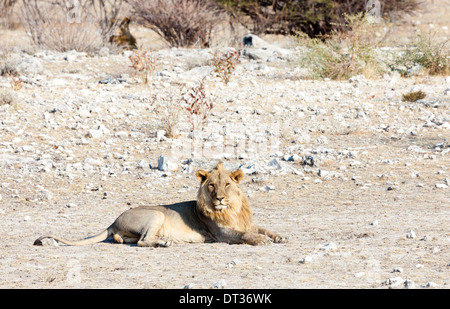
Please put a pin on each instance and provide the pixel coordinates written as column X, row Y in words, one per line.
column 411, row 234
column 220, row 284
column 409, row 284
column 441, row 186
column 306, row 259
column 248, row 40
column 397, row 270
column 431, row 285
column 189, row 286
column 394, row 282
column 166, row 164
column 274, row 164
column 113, row 81
column 142, row 164
column 97, row 132
column 308, row 160
column 331, row 246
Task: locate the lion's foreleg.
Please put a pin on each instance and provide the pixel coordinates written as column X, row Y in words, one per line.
column 276, row 238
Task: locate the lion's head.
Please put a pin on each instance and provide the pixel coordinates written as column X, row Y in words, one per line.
column 220, row 198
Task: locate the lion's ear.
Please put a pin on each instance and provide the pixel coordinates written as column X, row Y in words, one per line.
column 237, row 175
column 202, row 175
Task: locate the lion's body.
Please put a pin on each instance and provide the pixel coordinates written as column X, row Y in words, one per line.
column 221, row 214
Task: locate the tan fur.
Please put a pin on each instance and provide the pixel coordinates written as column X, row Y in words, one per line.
column 220, row 214
column 123, row 36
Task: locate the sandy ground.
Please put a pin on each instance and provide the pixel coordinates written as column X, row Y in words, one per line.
column 382, row 170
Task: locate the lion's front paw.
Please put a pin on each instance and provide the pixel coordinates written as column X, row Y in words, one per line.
column 278, row 239
column 256, row 239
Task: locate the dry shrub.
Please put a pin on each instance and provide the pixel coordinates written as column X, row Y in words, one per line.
column 167, row 109
column 313, row 17
column 413, row 96
column 182, row 23
column 81, row 25
column 424, row 51
column 343, row 53
column 144, row 62
column 7, row 97
column 197, row 103
column 225, row 64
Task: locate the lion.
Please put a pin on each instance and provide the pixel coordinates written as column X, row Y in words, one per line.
column 123, row 36
column 221, row 213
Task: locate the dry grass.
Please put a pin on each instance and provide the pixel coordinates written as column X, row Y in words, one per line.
column 414, row 96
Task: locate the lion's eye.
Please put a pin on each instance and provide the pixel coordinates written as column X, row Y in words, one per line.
column 227, row 185
column 211, row 187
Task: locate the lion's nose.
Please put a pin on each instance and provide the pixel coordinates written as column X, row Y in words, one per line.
column 220, row 199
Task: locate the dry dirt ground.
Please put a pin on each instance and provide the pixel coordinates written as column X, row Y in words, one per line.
column 372, row 212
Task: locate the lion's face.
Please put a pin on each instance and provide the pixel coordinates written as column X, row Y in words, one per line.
column 219, row 189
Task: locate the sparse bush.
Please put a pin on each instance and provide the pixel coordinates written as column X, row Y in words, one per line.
column 168, row 110
column 143, row 62
column 424, row 52
column 414, row 96
column 82, row 25
column 8, row 65
column 342, row 54
column 182, row 23
column 7, row 97
column 225, row 64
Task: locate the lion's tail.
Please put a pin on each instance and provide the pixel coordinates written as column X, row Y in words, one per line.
column 90, row 240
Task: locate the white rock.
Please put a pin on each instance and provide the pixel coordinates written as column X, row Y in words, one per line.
column 220, row 284
column 306, row 259
column 409, row 284
column 394, row 282
column 121, row 134
column 167, row 164
column 142, row 164
column 441, row 186
column 161, row 135
column 431, row 285
column 331, row 246
column 275, row 164
column 397, row 270
column 98, row 132
column 189, row 286
column 411, row 234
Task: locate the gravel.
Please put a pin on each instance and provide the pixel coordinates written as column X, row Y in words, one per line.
column 322, row 160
